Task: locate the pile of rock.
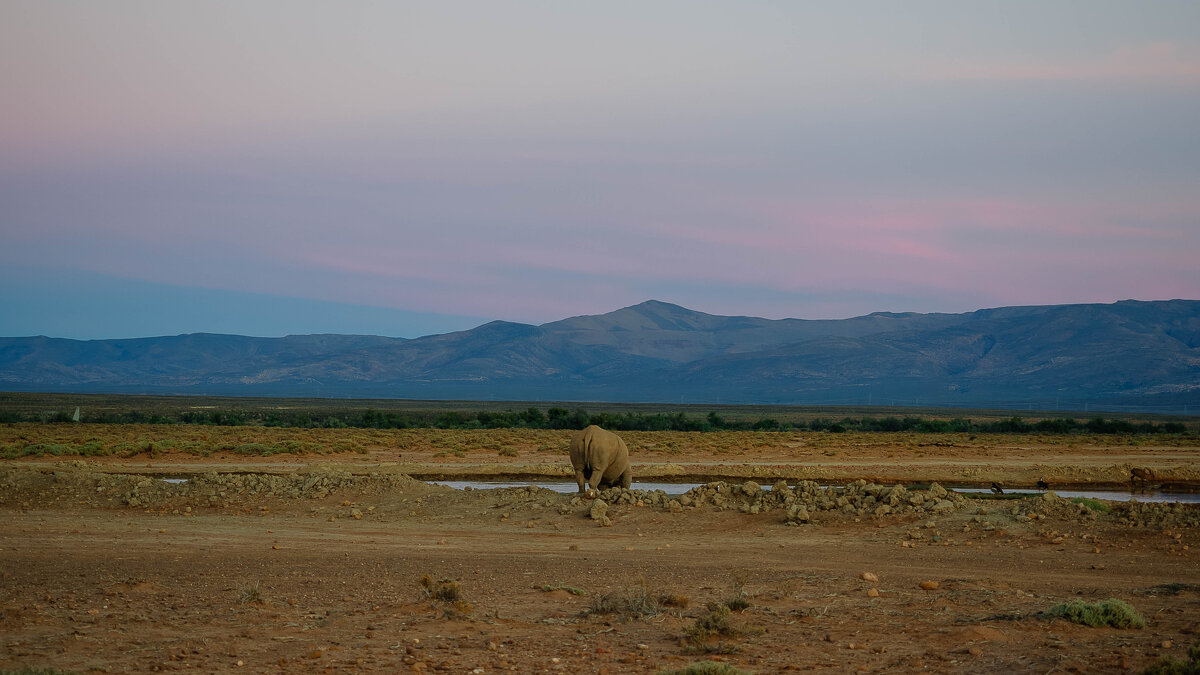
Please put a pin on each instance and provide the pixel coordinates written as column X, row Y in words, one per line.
column 801, row 501
column 1050, row 505
column 79, row 483
column 1160, row 514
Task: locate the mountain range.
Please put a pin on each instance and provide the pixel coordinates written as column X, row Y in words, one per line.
column 1143, row 355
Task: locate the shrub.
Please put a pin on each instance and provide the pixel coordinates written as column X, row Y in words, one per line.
column 447, row 594
column 707, row 668
column 1110, row 612
column 715, row 622
column 638, row 602
column 635, row 603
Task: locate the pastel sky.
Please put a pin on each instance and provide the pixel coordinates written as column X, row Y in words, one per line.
column 403, row 168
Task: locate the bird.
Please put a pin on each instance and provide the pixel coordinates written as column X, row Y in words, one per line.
column 997, row 489
column 1043, row 485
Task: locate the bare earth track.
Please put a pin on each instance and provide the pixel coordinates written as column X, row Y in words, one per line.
column 314, row 563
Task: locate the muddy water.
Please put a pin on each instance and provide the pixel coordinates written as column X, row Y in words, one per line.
column 680, row 488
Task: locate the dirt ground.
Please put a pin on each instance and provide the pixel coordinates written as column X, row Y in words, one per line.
column 348, row 565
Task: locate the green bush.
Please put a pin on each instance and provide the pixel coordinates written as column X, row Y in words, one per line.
column 1110, row 612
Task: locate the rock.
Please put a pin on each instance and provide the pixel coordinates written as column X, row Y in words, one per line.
column 872, row 593
column 798, row 514
column 605, row 521
column 869, row 576
column 599, row 510
column 929, row 585
column 941, row 506
column 675, row 506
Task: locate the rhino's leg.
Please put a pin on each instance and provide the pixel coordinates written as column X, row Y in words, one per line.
column 579, row 478
column 626, row 478
column 597, row 476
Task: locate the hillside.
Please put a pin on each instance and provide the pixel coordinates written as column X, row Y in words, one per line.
column 1139, row 354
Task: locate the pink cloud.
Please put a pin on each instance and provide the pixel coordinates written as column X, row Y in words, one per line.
column 1158, row 62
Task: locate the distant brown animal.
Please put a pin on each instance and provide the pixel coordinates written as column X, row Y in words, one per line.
column 1042, row 484
column 997, row 489
column 600, row 459
column 1140, row 473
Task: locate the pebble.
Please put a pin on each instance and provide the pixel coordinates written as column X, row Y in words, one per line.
column 869, row 576
column 872, row 593
column 929, row 585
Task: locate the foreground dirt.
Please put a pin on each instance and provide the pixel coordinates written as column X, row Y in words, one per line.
column 305, row 568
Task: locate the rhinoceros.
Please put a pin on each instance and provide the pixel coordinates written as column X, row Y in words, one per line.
column 600, row 459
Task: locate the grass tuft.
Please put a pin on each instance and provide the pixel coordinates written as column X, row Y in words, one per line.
column 706, row 668
column 1110, row 612
column 251, row 595
column 563, row 587
column 637, row 602
column 1093, row 504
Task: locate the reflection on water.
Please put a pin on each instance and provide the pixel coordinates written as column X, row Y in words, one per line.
column 567, row 487
column 1106, row 495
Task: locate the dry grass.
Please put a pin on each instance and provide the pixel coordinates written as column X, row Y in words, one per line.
column 447, row 595
column 251, row 595
column 131, row 440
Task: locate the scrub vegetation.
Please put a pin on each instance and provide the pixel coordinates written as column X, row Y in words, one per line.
column 1111, row 612
column 398, row 414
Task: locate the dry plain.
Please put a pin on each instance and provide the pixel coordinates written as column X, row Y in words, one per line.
column 305, row 551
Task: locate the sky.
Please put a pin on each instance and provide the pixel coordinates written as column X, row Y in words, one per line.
column 405, row 168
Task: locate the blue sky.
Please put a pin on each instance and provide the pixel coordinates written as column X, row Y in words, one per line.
column 411, row 167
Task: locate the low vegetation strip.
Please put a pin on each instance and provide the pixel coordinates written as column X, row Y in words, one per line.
column 563, row 418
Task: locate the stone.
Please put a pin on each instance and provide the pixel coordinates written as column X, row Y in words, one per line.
column 941, row 506
column 872, row 592
column 599, row 510
column 797, row 513
column 869, row 576
column 929, row 585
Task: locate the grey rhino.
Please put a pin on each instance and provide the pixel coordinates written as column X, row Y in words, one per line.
column 600, row 459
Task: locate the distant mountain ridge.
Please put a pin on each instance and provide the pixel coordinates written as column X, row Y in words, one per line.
column 1131, row 353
